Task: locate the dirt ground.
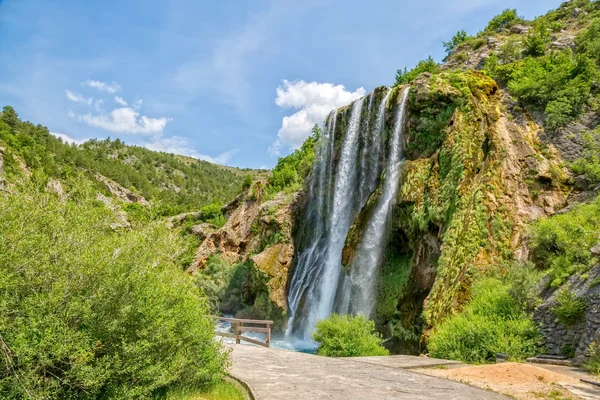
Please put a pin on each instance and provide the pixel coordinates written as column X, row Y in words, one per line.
column 520, row 381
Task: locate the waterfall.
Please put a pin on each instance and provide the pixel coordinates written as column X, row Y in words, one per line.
column 363, row 275
column 341, row 182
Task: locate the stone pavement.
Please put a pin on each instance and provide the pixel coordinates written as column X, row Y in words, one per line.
column 283, row 374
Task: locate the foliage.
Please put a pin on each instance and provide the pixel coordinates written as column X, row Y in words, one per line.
column 393, row 279
column 89, row 312
column 290, row 171
column 222, row 283
column 592, row 363
column 491, row 323
column 458, row 38
column 589, row 164
column 559, row 83
column 222, row 390
column 588, row 41
column 348, row 336
column 177, row 183
column 523, row 281
column 537, row 40
column 510, row 51
column 562, row 242
column 503, row 20
column 569, row 309
column 405, row 76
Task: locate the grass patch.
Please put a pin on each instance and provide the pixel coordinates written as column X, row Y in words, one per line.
column 223, row 390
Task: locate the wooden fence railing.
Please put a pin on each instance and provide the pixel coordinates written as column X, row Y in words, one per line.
column 242, row 325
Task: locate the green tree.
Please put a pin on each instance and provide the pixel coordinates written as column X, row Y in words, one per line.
column 503, row 20
column 460, row 37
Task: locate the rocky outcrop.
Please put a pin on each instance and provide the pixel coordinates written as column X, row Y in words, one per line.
column 255, row 230
column 121, row 220
column 121, row 192
column 561, row 339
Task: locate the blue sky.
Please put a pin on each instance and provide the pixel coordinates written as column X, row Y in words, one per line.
column 235, row 82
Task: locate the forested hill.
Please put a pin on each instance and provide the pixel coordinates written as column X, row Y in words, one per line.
column 173, row 183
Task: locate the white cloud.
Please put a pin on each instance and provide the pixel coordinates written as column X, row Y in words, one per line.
column 120, row 100
column 124, row 120
column 78, row 98
column 314, row 101
column 180, row 145
column 103, row 86
column 67, row 139
column 98, row 104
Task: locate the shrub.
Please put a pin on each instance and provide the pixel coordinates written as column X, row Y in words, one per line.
column 537, row 40
column 588, row 41
column 348, row 336
column 88, row 312
column 510, row 51
column 568, row 307
column 524, row 288
column 562, row 243
column 491, row 323
column 247, row 182
column 589, row 164
column 406, row 76
column 503, row 20
column 593, row 362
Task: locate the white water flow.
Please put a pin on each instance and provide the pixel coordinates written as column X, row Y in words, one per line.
column 370, row 173
column 351, row 158
column 309, row 261
column 364, row 269
column 321, row 303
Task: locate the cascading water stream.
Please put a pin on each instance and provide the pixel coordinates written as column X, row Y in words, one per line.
column 363, row 275
column 342, row 180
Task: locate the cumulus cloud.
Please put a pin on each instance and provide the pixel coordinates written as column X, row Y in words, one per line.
column 180, row 145
column 120, row 100
column 77, row 98
column 124, row 120
column 67, row 139
column 313, row 101
column 112, row 88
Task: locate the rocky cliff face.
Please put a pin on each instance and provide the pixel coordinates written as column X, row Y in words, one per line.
column 258, row 232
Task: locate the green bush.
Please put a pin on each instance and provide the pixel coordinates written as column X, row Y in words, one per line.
column 588, row 41
column 88, row 312
column 348, row 336
column 503, row 20
column 510, row 51
column 589, row 164
column 524, row 288
column 592, row 364
column 405, row 76
column 491, row 323
column 562, row 242
column 569, row 309
column 537, row 40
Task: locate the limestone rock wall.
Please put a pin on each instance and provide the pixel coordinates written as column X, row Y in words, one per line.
column 558, row 337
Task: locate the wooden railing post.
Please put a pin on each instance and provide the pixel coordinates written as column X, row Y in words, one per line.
column 238, row 328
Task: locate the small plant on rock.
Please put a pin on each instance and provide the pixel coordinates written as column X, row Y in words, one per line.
column 593, row 362
column 568, row 307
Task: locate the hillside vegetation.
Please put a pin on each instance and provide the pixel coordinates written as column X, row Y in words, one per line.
column 174, row 184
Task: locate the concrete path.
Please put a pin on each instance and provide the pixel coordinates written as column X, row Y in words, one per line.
column 281, row 374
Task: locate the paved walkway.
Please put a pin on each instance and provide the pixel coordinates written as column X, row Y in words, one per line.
column 281, row 374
